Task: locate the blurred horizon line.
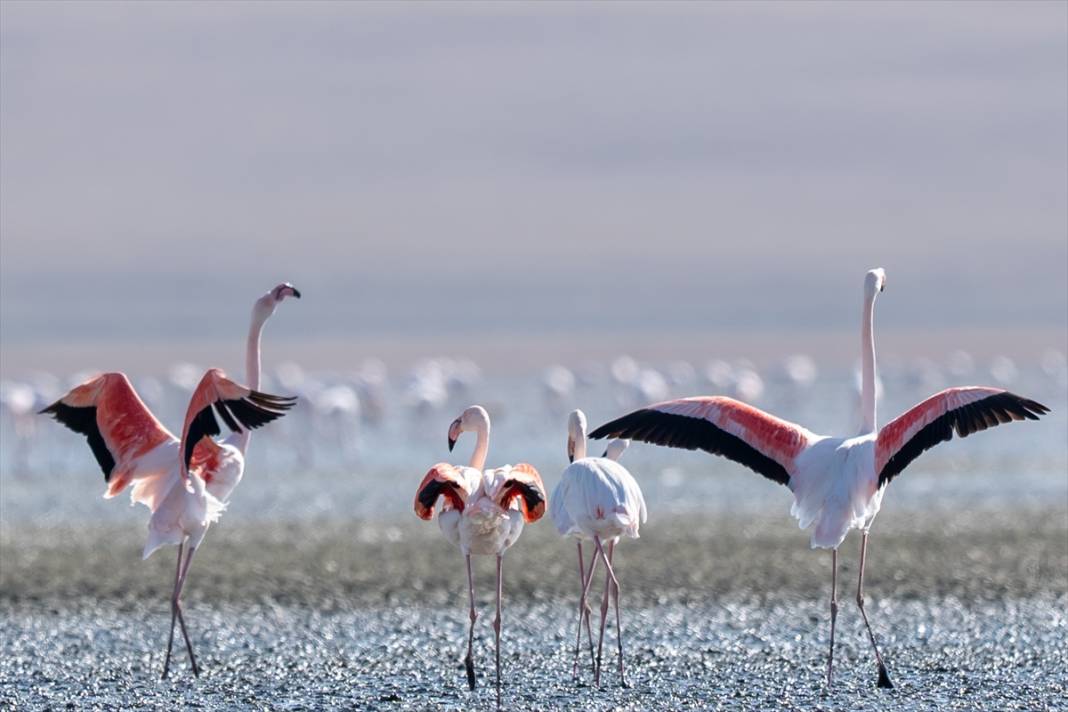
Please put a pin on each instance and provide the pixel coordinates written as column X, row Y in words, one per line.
column 516, row 353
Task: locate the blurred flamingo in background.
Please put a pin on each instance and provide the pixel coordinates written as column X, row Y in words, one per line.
column 483, row 512
column 176, row 480
column 838, row 483
column 597, row 499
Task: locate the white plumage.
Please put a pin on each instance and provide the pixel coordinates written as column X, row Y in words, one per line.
column 596, row 499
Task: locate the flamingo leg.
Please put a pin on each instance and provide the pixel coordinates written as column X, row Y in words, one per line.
column 585, row 616
column 469, row 661
column 884, row 677
column 834, row 614
column 174, row 610
column 619, row 625
column 178, row 609
column 609, row 582
column 583, row 611
column 497, row 629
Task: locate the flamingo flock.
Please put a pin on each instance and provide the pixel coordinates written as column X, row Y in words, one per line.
column 837, row 483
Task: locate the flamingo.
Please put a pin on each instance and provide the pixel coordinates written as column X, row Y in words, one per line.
column 838, row 483
column 172, row 477
column 598, row 499
column 483, row 512
column 123, row 427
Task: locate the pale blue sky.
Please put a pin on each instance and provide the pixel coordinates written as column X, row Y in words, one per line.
column 428, row 168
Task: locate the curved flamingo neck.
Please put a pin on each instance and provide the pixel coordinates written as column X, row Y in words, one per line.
column 478, row 457
column 867, row 352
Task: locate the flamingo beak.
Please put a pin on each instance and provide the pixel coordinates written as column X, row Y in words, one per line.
column 283, row 290
column 605, row 453
column 454, row 433
column 570, row 449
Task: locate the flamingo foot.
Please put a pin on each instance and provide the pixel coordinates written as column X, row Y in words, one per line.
column 470, row 665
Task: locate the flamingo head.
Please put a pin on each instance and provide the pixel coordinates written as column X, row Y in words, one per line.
column 874, row 282
column 266, row 304
column 473, row 418
column 576, row 431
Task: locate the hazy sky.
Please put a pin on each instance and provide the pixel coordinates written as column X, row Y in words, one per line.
column 493, row 168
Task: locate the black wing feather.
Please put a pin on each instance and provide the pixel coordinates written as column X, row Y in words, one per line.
column 251, row 412
column 681, row 431
column 532, row 496
column 965, row 420
column 203, row 424
column 83, row 422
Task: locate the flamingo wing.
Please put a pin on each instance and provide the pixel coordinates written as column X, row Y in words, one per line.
column 522, row 481
column 239, row 407
column 962, row 410
column 443, row 480
column 720, row 426
column 114, row 420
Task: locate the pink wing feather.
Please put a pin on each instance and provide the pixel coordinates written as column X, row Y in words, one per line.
column 721, row 426
column 238, row 406
column 964, row 410
column 118, row 425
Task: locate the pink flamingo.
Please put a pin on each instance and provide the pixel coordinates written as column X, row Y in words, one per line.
column 128, row 440
column 132, row 446
column 838, row 483
column 483, row 512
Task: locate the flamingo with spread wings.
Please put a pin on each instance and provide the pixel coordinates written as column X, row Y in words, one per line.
column 133, row 448
column 173, row 478
column 482, row 512
column 838, row 483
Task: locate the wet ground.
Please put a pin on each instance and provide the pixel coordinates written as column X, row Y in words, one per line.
column 730, row 613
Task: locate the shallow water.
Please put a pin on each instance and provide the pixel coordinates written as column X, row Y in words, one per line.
column 309, row 466
column 725, row 655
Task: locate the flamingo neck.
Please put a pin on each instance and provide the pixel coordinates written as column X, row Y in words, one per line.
column 867, row 352
column 252, row 369
column 580, row 445
column 252, row 353
column 478, row 457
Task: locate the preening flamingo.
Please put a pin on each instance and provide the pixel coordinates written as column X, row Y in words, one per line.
column 838, row 483
column 483, row 512
column 598, row 499
column 130, row 444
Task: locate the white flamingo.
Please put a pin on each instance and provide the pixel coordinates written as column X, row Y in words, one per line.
column 598, row 499
column 838, row 483
column 483, row 512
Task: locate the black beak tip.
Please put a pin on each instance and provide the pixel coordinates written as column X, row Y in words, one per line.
column 605, row 454
column 451, row 444
column 296, row 292
column 570, row 458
